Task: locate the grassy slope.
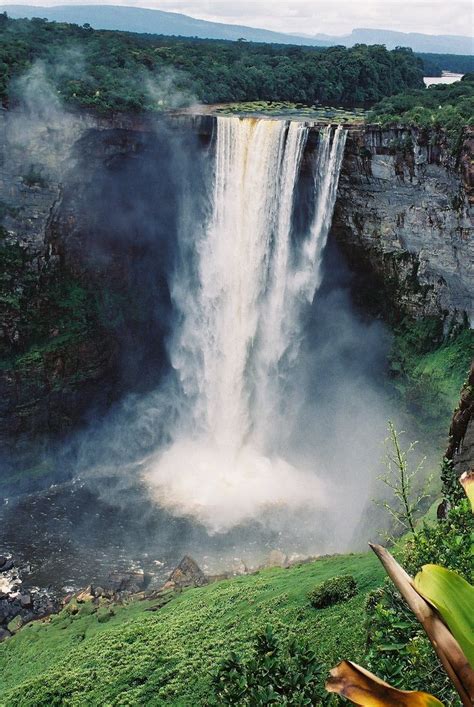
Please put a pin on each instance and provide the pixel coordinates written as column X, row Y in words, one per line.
column 168, row 656
column 428, row 378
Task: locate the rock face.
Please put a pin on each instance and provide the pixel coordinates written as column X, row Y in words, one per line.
column 186, row 574
column 403, row 218
column 132, row 581
column 50, row 372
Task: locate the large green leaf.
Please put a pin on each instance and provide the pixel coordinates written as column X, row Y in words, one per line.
column 453, row 598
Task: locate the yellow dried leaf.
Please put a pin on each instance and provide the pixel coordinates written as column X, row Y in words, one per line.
column 364, row 688
column 467, row 482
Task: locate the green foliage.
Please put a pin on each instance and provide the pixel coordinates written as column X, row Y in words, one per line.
column 447, row 542
column 47, row 309
column 333, row 591
column 398, row 649
column 435, row 64
column 170, row 656
column 288, row 109
column 401, row 478
column 452, row 489
column 280, row 673
column 453, row 598
column 447, row 106
column 107, row 71
column 427, row 371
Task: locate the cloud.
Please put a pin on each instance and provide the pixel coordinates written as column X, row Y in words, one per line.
column 313, row 17
column 338, row 17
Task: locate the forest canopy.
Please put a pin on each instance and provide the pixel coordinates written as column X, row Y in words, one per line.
column 109, row 71
column 446, row 106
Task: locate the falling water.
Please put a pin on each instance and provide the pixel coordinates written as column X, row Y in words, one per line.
column 241, row 318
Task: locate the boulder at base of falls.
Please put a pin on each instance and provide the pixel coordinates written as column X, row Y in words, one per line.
column 130, row 581
column 18, row 607
column 186, row 574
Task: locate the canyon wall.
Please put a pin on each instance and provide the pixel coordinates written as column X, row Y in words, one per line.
column 73, row 225
column 404, row 221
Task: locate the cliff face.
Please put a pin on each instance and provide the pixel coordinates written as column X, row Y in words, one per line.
column 403, row 219
column 51, row 370
column 88, row 256
column 88, row 231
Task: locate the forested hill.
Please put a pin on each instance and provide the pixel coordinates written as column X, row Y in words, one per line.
column 119, row 71
column 435, row 64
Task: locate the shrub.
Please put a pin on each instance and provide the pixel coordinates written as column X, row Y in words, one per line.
column 398, row 649
column 333, row 591
column 277, row 673
column 446, row 542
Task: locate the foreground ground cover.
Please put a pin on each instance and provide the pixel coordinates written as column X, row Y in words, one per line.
column 137, row 656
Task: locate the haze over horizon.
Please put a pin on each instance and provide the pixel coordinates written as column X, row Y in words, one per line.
column 307, row 18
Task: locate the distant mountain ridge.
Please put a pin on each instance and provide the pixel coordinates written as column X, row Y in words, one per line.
column 440, row 44
column 141, row 20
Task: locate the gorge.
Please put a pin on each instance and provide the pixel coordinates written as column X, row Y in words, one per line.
column 173, row 347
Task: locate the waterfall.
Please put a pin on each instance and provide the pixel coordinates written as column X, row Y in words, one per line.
column 241, row 317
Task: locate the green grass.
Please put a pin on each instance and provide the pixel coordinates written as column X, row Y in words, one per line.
column 448, row 365
column 138, row 657
column 428, row 372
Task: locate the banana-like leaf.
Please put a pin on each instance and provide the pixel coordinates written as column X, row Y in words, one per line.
column 447, row 648
column 453, row 598
column 467, row 482
column 364, row 688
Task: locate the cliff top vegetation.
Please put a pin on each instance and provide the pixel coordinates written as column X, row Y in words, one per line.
column 109, row 71
column 448, row 106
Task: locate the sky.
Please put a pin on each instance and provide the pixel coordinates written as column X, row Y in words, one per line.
column 315, row 16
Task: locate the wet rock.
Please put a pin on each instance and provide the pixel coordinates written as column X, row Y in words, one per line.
column 18, row 607
column 15, row 624
column 25, row 600
column 131, row 581
column 389, row 197
column 7, row 565
column 67, row 599
column 85, row 595
column 186, row 574
column 4, row 633
column 3, row 560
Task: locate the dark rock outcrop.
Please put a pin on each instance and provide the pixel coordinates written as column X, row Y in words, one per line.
column 131, row 581
column 18, row 607
column 186, row 574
